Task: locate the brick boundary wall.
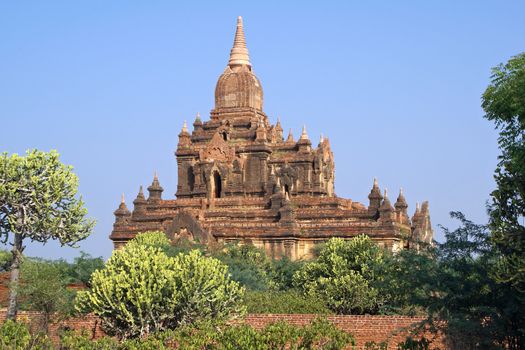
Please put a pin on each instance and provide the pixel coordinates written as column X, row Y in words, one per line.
column 365, row 328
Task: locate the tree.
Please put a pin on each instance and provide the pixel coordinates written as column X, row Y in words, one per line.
column 344, row 275
column 38, row 202
column 83, row 267
column 247, row 265
column 43, row 288
column 453, row 282
column 141, row 290
column 504, row 104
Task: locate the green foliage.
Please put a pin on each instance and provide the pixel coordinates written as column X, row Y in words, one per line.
column 16, row 336
column 205, row 290
column 504, row 104
column 151, row 238
column 372, row 345
column 5, row 260
column 344, row 275
column 414, row 344
column 320, row 334
column 283, row 302
column 73, row 341
column 141, row 290
column 38, row 199
column 282, row 272
column 247, row 265
column 82, row 268
column 453, row 284
column 43, row 288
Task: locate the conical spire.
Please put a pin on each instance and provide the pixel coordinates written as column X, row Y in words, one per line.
column 278, row 125
column 198, row 117
column 290, row 136
column 185, row 127
column 375, row 193
column 155, row 189
column 122, row 212
column 140, row 196
column 239, row 53
column 401, row 203
column 304, row 135
column 386, row 202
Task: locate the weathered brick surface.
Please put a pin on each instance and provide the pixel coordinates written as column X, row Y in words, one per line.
column 393, row 329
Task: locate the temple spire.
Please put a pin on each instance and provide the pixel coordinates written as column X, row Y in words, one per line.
column 239, row 53
column 290, row 136
column 304, row 135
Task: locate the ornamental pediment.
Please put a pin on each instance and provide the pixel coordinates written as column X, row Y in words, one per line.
column 217, row 150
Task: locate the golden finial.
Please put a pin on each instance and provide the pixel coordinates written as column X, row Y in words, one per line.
column 122, row 199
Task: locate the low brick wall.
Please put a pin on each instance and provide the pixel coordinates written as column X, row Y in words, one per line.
column 393, row 329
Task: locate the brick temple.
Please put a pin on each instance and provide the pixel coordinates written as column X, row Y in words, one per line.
column 240, row 180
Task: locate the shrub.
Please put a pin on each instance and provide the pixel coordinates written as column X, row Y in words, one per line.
column 247, row 265
column 141, row 290
column 16, row 336
column 284, row 302
column 156, row 239
column 43, row 288
column 319, row 335
column 344, row 275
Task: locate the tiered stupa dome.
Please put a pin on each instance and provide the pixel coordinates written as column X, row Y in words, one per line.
column 238, row 87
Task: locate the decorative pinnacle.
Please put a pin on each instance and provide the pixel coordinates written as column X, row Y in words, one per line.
column 304, row 135
column 185, row 127
column 239, row 53
column 198, row 117
column 385, row 196
column 290, row 136
column 278, row 125
column 376, row 184
column 122, row 199
column 155, row 177
column 321, row 139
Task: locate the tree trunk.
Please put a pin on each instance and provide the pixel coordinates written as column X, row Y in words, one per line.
column 15, row 276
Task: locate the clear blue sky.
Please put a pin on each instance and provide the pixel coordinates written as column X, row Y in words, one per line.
column 395, row 85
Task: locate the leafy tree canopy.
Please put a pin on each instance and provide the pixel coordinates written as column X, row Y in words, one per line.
column 504, row 104
column 38, row 201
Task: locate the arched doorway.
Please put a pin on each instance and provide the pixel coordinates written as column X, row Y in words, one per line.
column 286, row 190
column 216, row 185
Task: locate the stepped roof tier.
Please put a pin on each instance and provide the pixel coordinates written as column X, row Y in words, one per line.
column 240, row 180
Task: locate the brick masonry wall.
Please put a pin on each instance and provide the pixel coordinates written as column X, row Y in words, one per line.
column 393, row 329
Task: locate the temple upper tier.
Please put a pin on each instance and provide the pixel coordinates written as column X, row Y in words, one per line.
column 240, row 180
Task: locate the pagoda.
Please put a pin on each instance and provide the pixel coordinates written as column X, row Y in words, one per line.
column 240, row 180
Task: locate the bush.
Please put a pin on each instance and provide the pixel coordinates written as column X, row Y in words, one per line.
column 16, row 336
column 156, row 239
column 344, row 275
column 43, row 288
column 319, row 335
column 284, row 302
column 247, row 265
column 141, row 290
